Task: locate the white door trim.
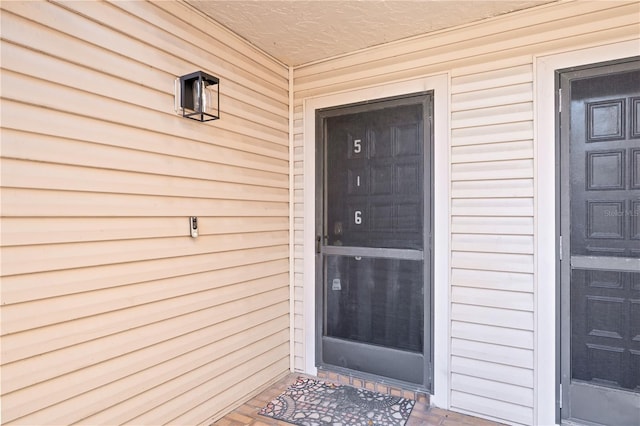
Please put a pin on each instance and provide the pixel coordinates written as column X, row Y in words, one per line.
column 545, row 211
column 440, row 85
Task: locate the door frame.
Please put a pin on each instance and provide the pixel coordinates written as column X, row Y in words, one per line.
column 547, row 394
column 439, row 84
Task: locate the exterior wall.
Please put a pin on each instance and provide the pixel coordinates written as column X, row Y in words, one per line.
column 111, row 312
column 492, row 291
column 493, row 288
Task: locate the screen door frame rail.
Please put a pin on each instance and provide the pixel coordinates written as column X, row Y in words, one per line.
column 605, row 263
column 384, row 253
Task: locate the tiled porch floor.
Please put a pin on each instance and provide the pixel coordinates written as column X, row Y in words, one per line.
column 422, row 414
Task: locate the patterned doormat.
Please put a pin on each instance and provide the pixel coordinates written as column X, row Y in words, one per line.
column 310, row 402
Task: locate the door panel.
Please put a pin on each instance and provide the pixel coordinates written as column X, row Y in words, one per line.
column 605, row 307
column 599, row 211
column 372, row 300
column 374, row 174
column 375, row 218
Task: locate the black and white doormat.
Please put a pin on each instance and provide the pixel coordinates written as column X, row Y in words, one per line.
column 310, row 402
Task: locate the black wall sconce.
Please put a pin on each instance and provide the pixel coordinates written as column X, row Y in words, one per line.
column 198, row 96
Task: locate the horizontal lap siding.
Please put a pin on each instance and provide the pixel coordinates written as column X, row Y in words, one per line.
column 298, row 234
column 492, row 180
column 496, row 186
column 111, row 312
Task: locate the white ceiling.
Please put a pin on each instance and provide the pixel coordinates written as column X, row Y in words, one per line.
column 301, row 31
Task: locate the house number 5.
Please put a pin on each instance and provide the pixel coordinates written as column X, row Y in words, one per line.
column 357, row 146
column 357, row 217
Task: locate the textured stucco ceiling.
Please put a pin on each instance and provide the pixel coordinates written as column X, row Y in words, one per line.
column 300, row 31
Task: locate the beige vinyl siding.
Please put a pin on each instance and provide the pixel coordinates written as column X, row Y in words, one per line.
column 298, row 234
column 492, row 258
column 111, row 312
column 493, row 188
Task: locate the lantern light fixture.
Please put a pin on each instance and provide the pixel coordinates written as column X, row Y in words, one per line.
column 198, row 96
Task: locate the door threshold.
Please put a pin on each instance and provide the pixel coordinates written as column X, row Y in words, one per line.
column 379, row 385
column 578, row 422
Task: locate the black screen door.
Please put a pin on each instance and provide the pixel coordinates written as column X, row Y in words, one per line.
column 600, row 204
column 373, row 238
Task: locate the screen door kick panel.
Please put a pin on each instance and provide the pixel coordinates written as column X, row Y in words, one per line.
column 373, row 241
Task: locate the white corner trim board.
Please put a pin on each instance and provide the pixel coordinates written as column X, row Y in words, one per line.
column 440, row 85
column 546, row 351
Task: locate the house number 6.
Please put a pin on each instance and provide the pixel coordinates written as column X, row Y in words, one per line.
column 357, row 146
column 357, row 217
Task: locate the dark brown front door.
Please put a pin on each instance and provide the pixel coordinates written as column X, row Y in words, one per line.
column 373, row 247
column 600, row 207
